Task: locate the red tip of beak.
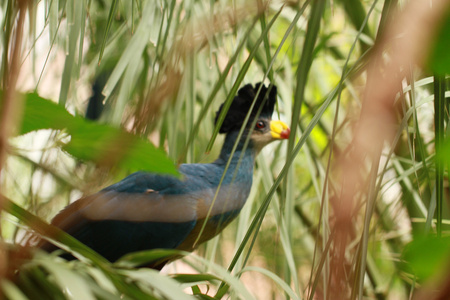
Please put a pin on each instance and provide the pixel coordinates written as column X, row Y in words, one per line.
column 285, row 133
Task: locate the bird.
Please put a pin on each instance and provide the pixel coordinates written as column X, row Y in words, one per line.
column 147, row 211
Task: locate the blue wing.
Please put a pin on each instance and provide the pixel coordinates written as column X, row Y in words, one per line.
column 147, row 211
column 142, row 212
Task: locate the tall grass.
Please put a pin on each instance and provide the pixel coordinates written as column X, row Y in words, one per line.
column 331, row 211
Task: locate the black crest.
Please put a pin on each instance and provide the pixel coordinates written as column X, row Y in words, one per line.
column 242, row 103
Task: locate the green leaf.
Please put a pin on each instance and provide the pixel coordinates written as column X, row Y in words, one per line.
column 70, row 282
column 140, row 258
column 189, row 278
column 426, row 256
column 439, row 60
column 40, row 113
column 11, row 291
column 112, row 12
column 442, row 156
column 90, row 141
column 166, row 286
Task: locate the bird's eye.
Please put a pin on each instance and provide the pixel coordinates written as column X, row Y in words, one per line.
column 260, row 124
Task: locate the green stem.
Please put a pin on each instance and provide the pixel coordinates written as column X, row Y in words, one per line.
column 439, row 110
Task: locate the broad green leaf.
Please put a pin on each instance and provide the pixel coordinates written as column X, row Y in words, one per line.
column 40, row 113
column 426, row 256
column 90, row 141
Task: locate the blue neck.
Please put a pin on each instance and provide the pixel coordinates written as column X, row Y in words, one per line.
column 242, row 161
column 242, row 152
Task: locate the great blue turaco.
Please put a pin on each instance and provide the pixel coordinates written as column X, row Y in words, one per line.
column 149, row 211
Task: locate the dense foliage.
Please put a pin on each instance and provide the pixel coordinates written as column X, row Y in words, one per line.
column 355, row 204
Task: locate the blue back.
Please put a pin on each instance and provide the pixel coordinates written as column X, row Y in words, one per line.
column 148, row 211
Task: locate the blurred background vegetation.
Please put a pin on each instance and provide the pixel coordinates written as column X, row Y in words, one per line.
column 154, row 73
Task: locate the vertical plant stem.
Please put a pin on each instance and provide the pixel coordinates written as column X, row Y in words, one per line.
column 439, row 110
column 304, row 65
column 10, row 104
column 7, row 29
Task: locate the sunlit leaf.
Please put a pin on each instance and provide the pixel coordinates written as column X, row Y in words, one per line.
column 166, row 286
column 90, row 141
column 71, row 283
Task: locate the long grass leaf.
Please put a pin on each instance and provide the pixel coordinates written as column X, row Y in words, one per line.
column 112, row 13
column 439, row 112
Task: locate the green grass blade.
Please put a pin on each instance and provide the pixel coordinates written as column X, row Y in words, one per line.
column 73, row 38
column 112, row 13
column 239, row 80
column 439, row 112
column 304, row 65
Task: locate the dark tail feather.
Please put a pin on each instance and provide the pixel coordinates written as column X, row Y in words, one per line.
column 95, row 104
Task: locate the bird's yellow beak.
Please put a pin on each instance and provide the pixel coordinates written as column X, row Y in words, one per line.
column 279, row 130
